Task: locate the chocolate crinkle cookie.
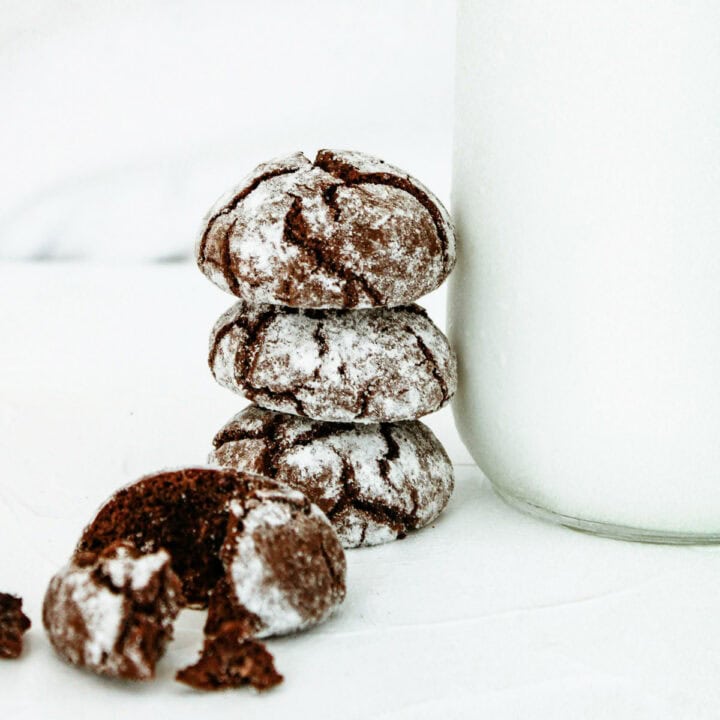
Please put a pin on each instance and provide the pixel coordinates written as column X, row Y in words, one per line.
column 231, row 659
column 344, row 231
column 375, row 482
column 13, row 625
column 373, row 365
column 270, row 557
column 113, row 612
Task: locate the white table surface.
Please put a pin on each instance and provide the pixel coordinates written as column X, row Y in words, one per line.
column 487, row 614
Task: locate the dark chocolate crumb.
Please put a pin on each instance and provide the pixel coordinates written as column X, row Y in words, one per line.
column 230, row 659
column 13, row 624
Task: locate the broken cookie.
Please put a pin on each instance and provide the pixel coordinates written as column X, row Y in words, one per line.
column 345, row 231
column 375, row 482
column 113, row 612
column 275, row 552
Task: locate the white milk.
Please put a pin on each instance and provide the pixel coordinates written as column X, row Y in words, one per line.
column 586, row 302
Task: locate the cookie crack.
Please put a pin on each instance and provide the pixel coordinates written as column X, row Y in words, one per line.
column 272, row 431
column 329, row 197
column 330, row 163
column 253, row 392
column 224, row 262
column 296, row 232
column 322, row 346
column 224, row 249
column 321, row 339
column 431, row 363
column 276, row 441
column 397, row 520
column 252, row 330
column 366, row 395
column 392, row 452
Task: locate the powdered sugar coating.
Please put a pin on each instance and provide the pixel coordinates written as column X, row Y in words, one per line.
column 373, row 365
column 102, row 613
column 99, row 615
column 252, row 578
column 375, row 482
column 136, row 572
column 283, row 561
column 345, row 231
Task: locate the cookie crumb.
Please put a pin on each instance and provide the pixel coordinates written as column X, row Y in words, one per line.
column 13, row 623
column 230, row 659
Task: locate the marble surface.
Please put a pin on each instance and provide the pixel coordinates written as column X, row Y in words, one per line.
column 488, row 613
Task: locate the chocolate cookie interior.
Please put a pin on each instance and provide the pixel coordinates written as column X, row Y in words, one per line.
column 375, row 482
column 285, row 565
column 184, row 512
column 230, row 659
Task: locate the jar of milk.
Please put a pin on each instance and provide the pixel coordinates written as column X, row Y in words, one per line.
column 585, row 307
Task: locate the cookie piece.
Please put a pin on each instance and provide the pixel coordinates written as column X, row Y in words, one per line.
column 13, row 624
column 183, row 511
column 374, row 482
column 228, row 660
column 344, row 231
column 374, row 365
column 267, row 547
column 285, row 567
column 113, row 612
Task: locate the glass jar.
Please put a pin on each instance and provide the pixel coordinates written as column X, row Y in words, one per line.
column 585, row 307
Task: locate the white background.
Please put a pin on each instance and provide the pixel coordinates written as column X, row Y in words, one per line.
column 120, row 122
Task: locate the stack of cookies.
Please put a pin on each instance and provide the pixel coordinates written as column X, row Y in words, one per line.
column 327, row 258
column 257, row 554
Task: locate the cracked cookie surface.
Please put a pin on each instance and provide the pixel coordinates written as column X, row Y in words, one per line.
column 113, row 612
column 182, row 511
column 371, row 365
column 375, row 482
column 345, row 231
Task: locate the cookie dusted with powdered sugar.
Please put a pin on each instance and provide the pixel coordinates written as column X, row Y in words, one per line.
column 261, row 551
column 344, row 231
column 372, row 365
column 374, row 482
column 113, row 613
column 284, row 565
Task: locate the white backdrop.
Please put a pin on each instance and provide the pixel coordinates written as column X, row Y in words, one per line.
column 121, row 121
